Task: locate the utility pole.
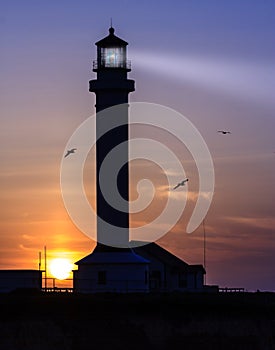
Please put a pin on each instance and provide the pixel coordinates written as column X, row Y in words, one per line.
column 204, row 251
column 39, row 261
column 45, row 261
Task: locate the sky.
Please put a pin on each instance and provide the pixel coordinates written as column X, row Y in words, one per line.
column 210, row 60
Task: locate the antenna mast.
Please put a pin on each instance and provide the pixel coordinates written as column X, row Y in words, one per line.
column 204, row 250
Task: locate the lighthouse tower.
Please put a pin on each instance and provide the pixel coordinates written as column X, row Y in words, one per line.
column 112, row 88
column 112, row 266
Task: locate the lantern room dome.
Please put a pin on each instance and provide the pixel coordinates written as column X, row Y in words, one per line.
column 111, row 40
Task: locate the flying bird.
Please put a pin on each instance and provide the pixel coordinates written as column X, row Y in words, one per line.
column 224, row 132
column 182, row 183
column 70, row 151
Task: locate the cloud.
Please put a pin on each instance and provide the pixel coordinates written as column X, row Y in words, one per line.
column 164, row 191
column 266, row 223
column 181, row 193
column 172, row 172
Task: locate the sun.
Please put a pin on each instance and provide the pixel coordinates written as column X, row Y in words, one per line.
column 60, row 268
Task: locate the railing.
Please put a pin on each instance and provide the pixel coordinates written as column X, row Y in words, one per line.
column 57, row 290
column 122, row 64
column 231, row 290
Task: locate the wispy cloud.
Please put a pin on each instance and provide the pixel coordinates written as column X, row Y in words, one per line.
column 259, row 222
column 181, row 194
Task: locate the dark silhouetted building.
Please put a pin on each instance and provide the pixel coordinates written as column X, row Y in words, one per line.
column 114, row 267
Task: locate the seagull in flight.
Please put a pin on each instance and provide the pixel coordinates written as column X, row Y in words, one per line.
column 69, row 152
column 224, row 132
column 182, row 183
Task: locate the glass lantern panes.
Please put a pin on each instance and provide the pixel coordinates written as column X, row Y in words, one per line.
column 112, row 57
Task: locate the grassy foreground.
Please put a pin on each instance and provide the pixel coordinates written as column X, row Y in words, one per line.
column 171, row 321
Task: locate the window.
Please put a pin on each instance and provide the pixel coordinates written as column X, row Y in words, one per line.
column 101, row 277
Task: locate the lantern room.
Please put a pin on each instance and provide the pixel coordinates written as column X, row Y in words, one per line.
column 111, row 53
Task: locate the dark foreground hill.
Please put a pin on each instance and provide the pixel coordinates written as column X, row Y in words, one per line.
column 181, row 321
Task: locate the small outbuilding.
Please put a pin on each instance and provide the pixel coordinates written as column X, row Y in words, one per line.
column 12, row 280
column 111, row 270
column 147, row 268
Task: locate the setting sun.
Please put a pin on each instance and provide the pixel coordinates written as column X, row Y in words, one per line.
column 60, row 268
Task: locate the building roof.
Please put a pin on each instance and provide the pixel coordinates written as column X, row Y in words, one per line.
column 111, row 40
column 196, row 268
column 166, row 257
column 102, row 248
column 19, row 271
column 103, row 254
column 162, row 254
column 128, row 257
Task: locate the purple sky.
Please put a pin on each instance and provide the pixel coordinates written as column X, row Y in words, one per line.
column 213, row 61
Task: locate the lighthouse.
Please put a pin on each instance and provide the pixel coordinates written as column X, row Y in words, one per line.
column 112, row 88
column 112, row 266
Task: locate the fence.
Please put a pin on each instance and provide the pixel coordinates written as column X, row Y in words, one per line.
column 231, row 290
